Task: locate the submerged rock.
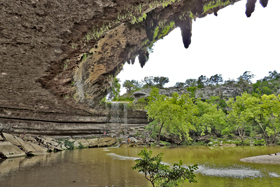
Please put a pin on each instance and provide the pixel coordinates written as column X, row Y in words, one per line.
column 271, row 158
column 32, row 149
column 8, row 150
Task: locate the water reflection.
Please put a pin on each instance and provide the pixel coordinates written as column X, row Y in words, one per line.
column 241, row 173
column 112, row 166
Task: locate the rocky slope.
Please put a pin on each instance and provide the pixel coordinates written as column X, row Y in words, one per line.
column 12, row 146
column 58, row 57
column 203, row 93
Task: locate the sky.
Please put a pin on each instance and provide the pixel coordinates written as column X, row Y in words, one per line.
column 228, row 44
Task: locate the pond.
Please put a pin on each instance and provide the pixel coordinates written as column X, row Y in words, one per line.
column 218, row 166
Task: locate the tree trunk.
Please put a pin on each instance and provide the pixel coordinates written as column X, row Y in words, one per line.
column 159, row 134
column 265, row 135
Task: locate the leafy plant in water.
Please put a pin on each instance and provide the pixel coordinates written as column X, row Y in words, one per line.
column 68, row 144
column 159, row 174
column 81, row 146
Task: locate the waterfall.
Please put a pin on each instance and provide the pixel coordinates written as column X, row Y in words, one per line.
column 115, row 113
column 125, row 113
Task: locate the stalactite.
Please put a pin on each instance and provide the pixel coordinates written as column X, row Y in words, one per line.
column 264, row 3
column 142, row 58
column 250, row 7
column 186, row 30
column 132, row 60
column 150, row 25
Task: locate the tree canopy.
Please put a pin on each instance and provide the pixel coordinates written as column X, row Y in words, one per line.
column 172, row 114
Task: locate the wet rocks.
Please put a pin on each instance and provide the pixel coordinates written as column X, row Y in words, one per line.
column 16, row 146
column 83, row 142
column 105, row 142
column 92, row 142
column 8, row 150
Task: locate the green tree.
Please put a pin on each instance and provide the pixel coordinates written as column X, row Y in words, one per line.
column 201, row 81
column 179, row 85
column 161, row 175
column 229, row 82
column 191, row 83
column 192, row 91
column 128, row 85
column 209, row 117
column 244, row 111
column 160, row 81
column 270, row 117
column 131, row 86
column 174, row 114
column 273, row 75
column 266, row 90
column 245, row 78
column 216, row 79
column 148, row 82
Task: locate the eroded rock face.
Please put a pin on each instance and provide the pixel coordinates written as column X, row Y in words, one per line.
column 58, row 58
column 166, row 91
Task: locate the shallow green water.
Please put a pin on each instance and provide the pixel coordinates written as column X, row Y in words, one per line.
column 218, row 166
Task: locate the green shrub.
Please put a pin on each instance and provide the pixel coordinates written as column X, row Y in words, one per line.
column 81, row 146
column 260, row 142
column 161, row 175
column 68, row 144
column 165, row 143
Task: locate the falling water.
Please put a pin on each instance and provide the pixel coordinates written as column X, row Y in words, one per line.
column 115, row 113
column 125, row 113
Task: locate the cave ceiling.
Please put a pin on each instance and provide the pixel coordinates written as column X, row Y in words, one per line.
column 60, row 56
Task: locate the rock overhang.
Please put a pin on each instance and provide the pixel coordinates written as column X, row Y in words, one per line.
column 58, row 57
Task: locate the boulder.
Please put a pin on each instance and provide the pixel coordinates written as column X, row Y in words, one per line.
column 133, row 140
column 47, row 142
column 29, row 138
column 76, row 145
column 84, row 142
column 12, row 139
column 33, row 149
column 60, row 147
column 8, row 150
column 105, row 142
column 204, row 138
column 92, row 142
column 28, row 147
